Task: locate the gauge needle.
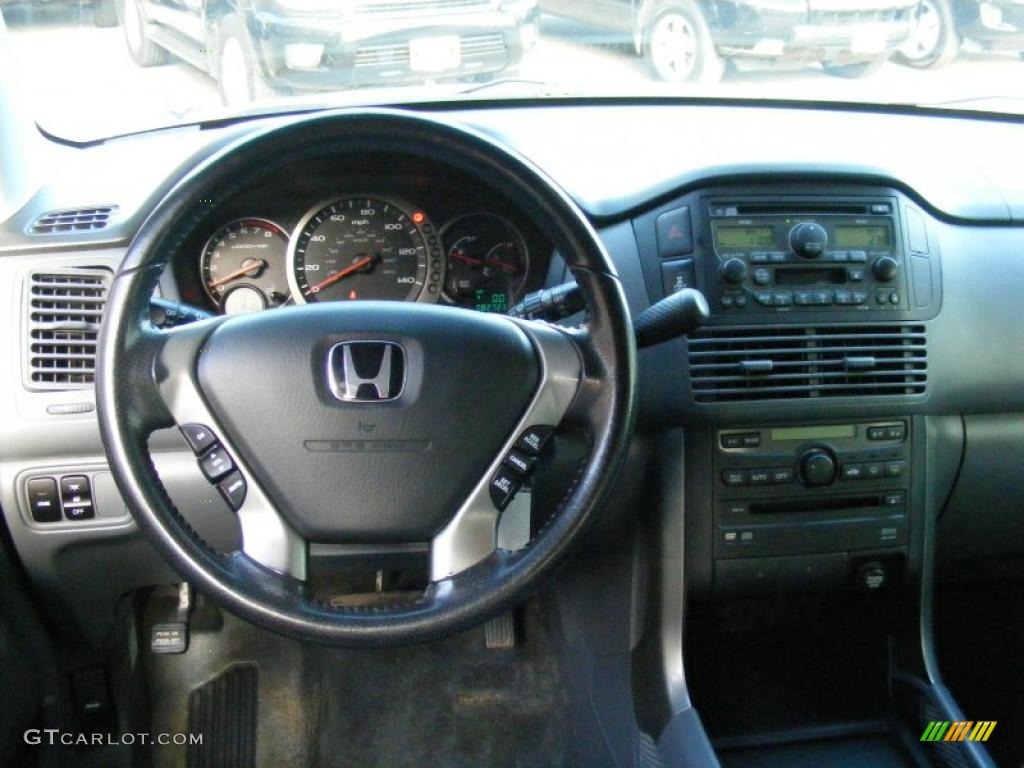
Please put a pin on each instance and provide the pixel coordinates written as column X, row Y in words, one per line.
column 249, row 266
column 339, row 274
column 503, row 265
column 464, row 258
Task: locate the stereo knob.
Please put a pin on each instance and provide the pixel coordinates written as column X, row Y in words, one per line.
column 817, row 467
column 885, row 268
column 808, row 239
column 733, row 271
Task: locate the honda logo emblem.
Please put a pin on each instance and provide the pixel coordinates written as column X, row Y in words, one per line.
column 366, row 371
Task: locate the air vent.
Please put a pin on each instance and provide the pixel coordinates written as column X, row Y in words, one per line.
column 63, row 312
column 73, row 220
column 779, row 363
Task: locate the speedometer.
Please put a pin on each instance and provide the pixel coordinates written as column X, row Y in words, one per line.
column 364, row 248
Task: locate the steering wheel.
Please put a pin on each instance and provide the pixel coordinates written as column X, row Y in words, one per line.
column 277, row 404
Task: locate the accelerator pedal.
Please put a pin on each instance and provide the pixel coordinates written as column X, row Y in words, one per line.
column 223, row 710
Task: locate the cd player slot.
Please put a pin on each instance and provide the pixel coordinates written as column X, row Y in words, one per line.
column 793, row 506
column 791, row 207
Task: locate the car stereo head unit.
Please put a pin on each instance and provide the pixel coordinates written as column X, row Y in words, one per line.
column 780, row 256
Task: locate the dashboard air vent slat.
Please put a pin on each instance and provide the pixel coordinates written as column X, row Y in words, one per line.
column 739, row 364
column 73, row 220
column 63, row 314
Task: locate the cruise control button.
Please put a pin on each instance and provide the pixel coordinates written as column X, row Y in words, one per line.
column 43, row 502
column 520, row 462
column 533, row 439
column 233, row 489
column 216, row 464
column 504, row 485
column 198, row 437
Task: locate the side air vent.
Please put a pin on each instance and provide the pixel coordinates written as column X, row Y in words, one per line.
column 779, row 363
column 73, row 220
column 63, row 313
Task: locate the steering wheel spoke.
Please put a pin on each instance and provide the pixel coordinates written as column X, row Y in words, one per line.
column 472, row 533
column 267, row 538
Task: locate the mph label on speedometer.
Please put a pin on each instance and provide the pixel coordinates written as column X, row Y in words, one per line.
column 358, row 248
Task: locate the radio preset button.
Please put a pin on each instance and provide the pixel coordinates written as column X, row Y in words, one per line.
column 839, row 257
column 759, row 257
column 803, row 298
column 844, row 297
column 859, row 257
column 764, row 298
column 859, row 297
column 782, row 299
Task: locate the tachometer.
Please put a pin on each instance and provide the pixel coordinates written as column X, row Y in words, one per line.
column 246, row 255
column 364, row 248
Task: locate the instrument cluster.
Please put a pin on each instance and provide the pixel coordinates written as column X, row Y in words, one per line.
column 369, row 247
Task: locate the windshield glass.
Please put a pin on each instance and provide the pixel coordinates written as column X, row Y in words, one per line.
column 97, row 68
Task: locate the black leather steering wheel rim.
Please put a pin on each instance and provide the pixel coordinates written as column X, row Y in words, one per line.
column 130, row 405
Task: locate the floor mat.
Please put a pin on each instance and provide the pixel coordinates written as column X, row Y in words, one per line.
column 452, row 703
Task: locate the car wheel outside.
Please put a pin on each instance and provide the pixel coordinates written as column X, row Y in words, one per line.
column 238, row 76
column 934, row 40
column 854, row 71
column 678, row 45
column 104, row 13
column 144, row 51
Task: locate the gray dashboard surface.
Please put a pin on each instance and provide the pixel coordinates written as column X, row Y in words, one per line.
column 612, row 159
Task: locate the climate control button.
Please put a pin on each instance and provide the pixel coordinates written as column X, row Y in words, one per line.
column 817, row 467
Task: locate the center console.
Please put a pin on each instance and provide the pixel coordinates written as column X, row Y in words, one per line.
column 799, row 505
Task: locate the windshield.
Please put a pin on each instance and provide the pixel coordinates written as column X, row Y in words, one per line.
column 96, row 68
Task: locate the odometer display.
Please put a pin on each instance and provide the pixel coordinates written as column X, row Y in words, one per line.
column 364, row 248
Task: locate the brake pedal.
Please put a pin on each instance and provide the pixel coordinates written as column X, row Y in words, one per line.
column 172, row 636
column 500, row 632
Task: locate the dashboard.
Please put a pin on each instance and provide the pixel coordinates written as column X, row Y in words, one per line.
column 348, row 233
column 862, row 363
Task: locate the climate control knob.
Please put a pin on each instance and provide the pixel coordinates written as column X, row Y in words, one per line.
column 817, row 467
column 733, row 271
column 808, row 239
column 885, row 268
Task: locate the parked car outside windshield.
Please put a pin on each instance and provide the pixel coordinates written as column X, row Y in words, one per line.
column 109, row 67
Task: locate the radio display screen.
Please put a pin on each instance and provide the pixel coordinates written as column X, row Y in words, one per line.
column 814, row 433
column 728, row 238
column 863, row 236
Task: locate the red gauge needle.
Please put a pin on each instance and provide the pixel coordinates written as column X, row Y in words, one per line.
column 340, row 274
column 503, row 265
column 249, row 266
column 467, row 259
